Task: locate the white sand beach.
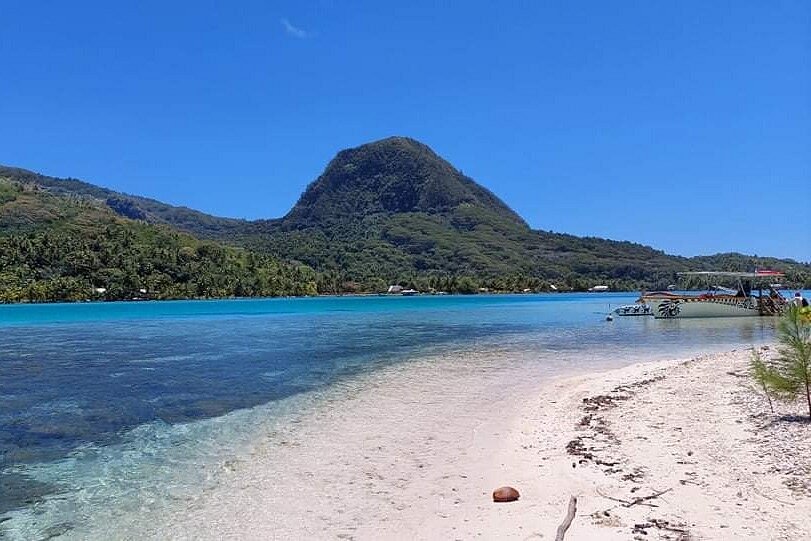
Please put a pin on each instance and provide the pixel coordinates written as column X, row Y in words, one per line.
column 421, row 461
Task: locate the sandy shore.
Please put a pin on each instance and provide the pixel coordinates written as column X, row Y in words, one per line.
column 693, row 431
column 424, row 466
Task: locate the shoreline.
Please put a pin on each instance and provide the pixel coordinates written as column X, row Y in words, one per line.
column 660, row 449
column 389, row 403
column 679, row 449
column 613, row 292
column 682, row 449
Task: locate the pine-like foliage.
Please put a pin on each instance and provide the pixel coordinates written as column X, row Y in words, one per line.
column 789, row 374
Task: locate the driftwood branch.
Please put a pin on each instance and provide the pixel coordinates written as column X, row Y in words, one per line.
column 568, row 520
column 663, row 525
column 642, row 500
column 646, row 498
column 759, row 493
column 660, row 524
column 612, row 498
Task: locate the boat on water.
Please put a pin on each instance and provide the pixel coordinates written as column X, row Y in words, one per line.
column 634, row 310
column 753, row 296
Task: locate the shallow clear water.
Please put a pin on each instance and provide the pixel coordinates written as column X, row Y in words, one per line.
column 117, row 407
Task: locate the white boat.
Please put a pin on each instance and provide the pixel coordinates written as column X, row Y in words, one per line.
column 741, row 302
column 634, row 310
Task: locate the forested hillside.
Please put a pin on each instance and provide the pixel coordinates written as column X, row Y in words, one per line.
column 394, row 209
column 58, row 247
column 387, row 212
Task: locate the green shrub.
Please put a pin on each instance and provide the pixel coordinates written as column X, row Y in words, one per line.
column 789, row 374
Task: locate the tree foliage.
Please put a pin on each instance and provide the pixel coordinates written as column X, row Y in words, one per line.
column 390, row 212
column 789, row 374
column 78, row 250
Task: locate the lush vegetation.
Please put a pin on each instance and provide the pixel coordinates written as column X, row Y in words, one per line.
column 383, row 213
column 789, row 374
column 60, row 248
column 396, row 211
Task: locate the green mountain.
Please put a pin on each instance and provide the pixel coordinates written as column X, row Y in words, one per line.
column 385, row 212
column 63, row 246
column 132, row 206
column 394, row 209
column 395, row 176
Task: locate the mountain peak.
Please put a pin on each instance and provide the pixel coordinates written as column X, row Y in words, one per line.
column 393, row 175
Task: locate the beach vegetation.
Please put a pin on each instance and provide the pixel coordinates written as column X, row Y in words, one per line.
column 788, row 375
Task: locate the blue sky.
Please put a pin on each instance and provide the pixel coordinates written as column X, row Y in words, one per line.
column 682, row 125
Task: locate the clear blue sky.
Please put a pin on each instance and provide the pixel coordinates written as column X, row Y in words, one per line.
column 682, row 125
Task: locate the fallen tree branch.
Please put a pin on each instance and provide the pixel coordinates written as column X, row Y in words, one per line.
column 641, row 500
column 612, row 498
column 646, row 498
column 665, row 525
column 568, row 520
column 759, row 493
column 625, row 503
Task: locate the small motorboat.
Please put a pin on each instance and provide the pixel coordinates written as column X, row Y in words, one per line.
column 751, row 297
column 634, row 310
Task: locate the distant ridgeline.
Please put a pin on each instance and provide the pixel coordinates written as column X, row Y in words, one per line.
column 65, row 246
column 383, row 213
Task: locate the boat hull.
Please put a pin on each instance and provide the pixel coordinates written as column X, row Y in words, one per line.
column 634, row 310
column 695, row 307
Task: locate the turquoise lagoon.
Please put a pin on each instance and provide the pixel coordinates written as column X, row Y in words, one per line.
column 119, row 409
